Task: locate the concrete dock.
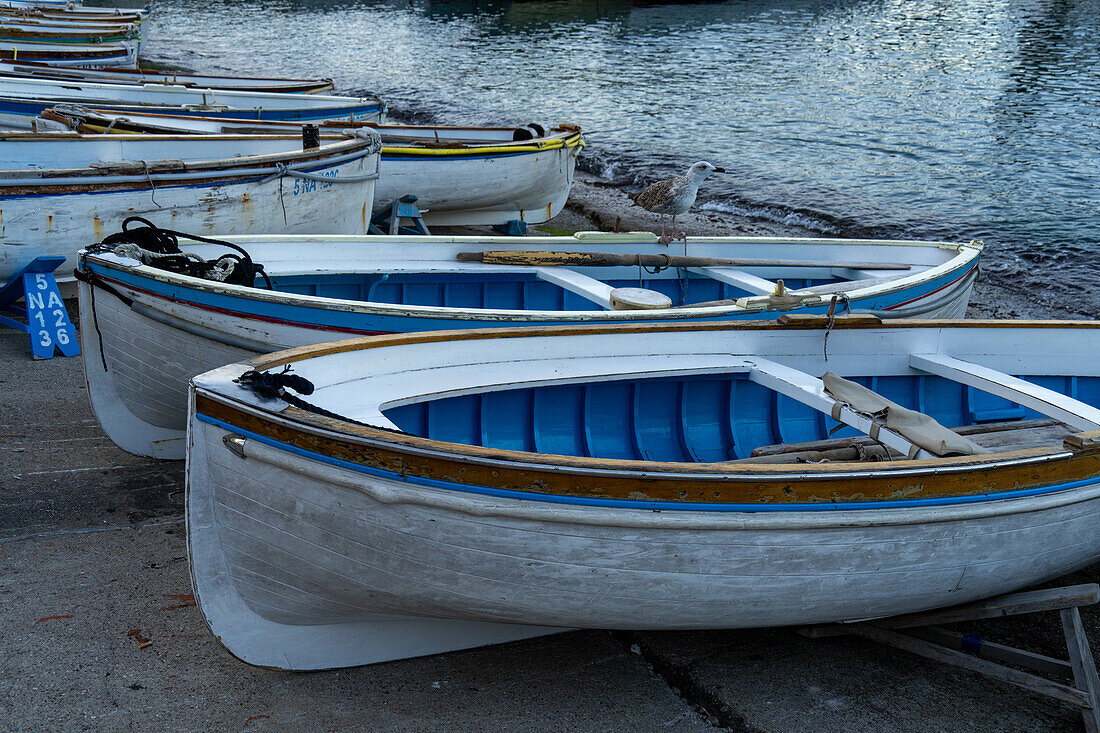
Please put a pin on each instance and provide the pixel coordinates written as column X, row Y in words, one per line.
column 99, row 631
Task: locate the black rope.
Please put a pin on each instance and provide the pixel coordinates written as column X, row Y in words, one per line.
column 93, row 283
column 274, row 385
column 165, row 242
column 87, row 277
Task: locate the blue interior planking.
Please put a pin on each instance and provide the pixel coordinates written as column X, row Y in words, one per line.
column 504, row 291
column 691, row 419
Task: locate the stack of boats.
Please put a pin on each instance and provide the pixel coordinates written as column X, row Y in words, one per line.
column 63, row 34
column 521, row 435
column 230, row 155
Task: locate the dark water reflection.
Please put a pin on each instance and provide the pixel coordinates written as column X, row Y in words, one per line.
column 918, row 118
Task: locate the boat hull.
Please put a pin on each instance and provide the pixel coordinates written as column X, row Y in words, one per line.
column 25, row 98
column 52, row 221
column 154, row 76
column 460, row 175
column 453, row 190
column 349, row 556
column 121, row 54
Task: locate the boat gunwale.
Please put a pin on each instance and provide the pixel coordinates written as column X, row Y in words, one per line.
column 965, row 259
column 313, row 101
column 336, row 123
column 744, row 470
column 29, row 67
column 72, row 51
column 565, row 139
column 1087, row 442
column 667, row 514
column 15, row 177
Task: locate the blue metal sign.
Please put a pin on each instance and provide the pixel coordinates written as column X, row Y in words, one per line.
column 48, row 323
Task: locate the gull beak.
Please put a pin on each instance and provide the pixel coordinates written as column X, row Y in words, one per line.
column 719, row 170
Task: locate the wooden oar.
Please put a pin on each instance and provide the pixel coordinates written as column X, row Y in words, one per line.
column 609, row 259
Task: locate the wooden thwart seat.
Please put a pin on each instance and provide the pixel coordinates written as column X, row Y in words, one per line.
column 738, row 278
column 575, row 282
column 1072, row 412
column 810, row 391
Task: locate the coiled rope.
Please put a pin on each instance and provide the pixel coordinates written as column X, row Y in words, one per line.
column 157, row 247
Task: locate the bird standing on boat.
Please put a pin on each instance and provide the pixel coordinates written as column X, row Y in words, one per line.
column 675, row 196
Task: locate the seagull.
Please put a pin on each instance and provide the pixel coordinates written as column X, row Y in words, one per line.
column 675, row 195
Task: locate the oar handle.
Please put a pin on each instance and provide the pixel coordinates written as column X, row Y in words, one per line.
column 530, row 258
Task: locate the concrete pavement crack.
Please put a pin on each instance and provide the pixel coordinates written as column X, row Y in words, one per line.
column 679, row 677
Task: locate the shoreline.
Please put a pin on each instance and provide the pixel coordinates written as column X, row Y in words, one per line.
column 595, row 203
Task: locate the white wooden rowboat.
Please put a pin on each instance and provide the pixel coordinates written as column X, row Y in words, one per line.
column 56, row 32
column 64, row 12
column 145, row 331
column 22, row 99
column 121, row 53
column 68, row 9
column 468, row 488
column 460, row 175
column 60, row 191
column 156, row 76
column 80, row 15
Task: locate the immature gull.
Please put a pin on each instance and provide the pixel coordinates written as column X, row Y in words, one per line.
column 675, row 195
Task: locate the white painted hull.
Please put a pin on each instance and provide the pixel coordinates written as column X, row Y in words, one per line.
column 61, row 224
column 119, row 54
column 137, row 371
column 171, row 94
column 481, row 176
column 531, row 187
column 153, row 76
column 299, row 565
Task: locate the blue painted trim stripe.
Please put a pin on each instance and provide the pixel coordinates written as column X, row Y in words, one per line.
column 650, row 505
column 391, row 322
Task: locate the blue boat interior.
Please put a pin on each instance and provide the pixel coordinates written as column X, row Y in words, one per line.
column 506, row 291
column 689, row 419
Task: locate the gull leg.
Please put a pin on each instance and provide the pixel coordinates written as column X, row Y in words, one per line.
column 681, row 235
column 665, row 239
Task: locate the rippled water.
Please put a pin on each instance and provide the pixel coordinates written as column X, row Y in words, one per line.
column 918, row 118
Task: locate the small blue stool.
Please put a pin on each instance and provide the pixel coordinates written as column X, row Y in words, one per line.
column 388, row 220
column 512, row 228
column 48, row 323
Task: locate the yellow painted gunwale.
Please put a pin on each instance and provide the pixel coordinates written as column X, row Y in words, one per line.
column 1076, row 460
column 712, row 483
column 572, row 140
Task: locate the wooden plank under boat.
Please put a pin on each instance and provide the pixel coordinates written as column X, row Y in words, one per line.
column 60, row 191
column 157, row 76
column 22, row 99
column 147, row 330
column 460, row 175
column 439, row 491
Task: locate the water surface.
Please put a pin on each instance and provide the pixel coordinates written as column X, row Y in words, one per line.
column 922, row 118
